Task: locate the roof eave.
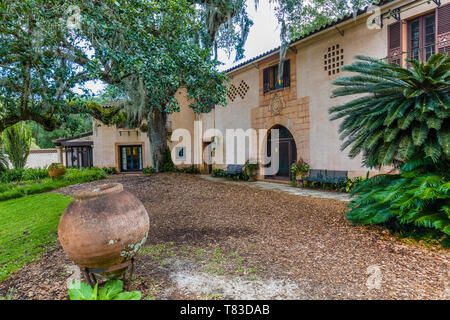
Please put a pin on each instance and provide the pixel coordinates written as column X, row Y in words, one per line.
column 317, row 32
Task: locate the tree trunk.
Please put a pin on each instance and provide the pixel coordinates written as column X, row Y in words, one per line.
column 158, row 137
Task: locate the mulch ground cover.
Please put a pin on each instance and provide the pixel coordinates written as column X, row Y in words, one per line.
column 236, row 233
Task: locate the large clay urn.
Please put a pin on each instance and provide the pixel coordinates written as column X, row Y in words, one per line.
column 56, row 170
column 103, row 229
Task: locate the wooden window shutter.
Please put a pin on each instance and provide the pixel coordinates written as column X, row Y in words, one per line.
column 443, row 28
column 395, row 42
column 287, row 73
column 266, row 80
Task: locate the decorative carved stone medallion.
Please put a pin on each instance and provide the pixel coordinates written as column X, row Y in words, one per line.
column 276, row 104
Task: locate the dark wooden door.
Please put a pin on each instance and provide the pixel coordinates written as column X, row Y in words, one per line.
column 287, row 154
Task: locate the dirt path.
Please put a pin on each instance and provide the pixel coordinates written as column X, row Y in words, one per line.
column 217, row 241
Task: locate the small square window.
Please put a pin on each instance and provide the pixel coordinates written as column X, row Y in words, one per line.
column 334, row 59
column 181, row 153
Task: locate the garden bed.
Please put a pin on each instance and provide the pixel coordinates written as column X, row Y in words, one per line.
column 25, row 184
column 218, row 241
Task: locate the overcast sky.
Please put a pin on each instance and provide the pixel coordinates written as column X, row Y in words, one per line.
column 264, row 35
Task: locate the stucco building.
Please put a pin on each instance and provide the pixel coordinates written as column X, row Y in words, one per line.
column 299, row 104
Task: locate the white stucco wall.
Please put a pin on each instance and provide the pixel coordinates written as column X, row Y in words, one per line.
column 236, row 114
column 107, row 139
column 42, row 158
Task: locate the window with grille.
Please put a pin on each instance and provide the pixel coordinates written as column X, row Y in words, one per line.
column 333, row 60
column 240, row 90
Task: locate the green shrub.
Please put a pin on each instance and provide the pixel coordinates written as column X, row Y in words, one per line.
column 218, row 173
column 420, row 195
column 110, row 170
column 72, row 176
column 168, row 166
column 13, row 175
column 112, row 290
column 190, row 170
column 350, row 184
column 347, row 186
column 249, row 170
column 148, row 171
column 85, row 174
column 35, row 174
column 7, row 186
column 223, row 174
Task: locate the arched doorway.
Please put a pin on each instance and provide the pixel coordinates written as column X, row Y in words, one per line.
column 287, row 152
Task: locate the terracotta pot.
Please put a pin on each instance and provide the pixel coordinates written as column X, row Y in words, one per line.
column 56, row 172
column 103, row 229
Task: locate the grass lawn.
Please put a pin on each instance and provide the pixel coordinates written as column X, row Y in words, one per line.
column 27, row 228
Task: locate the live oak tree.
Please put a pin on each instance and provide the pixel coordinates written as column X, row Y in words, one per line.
column 146, row 49
column 37, row 72
column 153, row 50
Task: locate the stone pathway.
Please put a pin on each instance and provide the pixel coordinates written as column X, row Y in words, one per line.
column 284, row 188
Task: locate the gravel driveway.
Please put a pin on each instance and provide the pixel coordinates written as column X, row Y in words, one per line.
column 211, row 240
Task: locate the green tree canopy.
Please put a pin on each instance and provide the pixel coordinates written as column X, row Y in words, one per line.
column 146, row 49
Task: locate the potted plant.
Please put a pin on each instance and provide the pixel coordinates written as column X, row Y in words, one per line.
column 250, row 170
column 302, row 169
column 56, row 170
column 299, row 169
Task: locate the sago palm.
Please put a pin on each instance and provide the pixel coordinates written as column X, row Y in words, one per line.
column 399, row 113
column 399, row 117
column 419, row 195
